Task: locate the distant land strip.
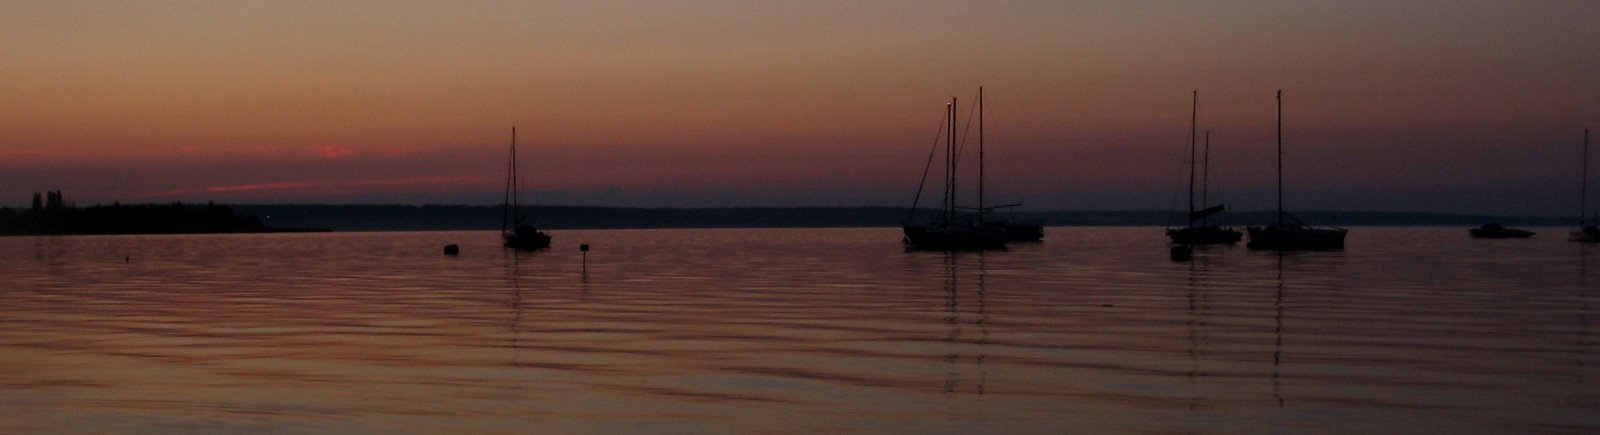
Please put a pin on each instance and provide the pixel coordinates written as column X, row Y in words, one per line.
column 61, row 218
column 463, row 217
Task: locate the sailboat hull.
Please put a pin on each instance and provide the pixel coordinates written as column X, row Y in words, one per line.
column 954, row 238
column 1019, row 231
column 526, row 241
column 1024, row 232
column 1207, row 235
column 1296, row 238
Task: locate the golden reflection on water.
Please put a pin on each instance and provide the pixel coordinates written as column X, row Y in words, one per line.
column 792, row 330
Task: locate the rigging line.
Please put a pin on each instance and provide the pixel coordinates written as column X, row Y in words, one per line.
column 925, row 168
column 1222, row 194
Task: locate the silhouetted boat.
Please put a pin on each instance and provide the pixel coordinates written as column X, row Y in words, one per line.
column 516, row 234
column 1020, row 230
column 1016, row 230
column 1292, row 235
column 1497, row 231
column 1204, row 233
column 951, row 230
column 1587, row 232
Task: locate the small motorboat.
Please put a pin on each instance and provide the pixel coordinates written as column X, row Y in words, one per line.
column 1497, row 231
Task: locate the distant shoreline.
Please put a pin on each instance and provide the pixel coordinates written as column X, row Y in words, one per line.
column 308, row 218
column 57, row 216
column 169, row 233
column 465, row 217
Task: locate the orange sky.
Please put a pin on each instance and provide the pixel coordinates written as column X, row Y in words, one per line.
column 1446, row 106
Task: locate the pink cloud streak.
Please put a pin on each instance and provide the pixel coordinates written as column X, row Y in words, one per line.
column 333, row 151
column 328, row 187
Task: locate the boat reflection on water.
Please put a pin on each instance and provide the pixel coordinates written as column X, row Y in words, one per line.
column 1196, row 296
column 1586, row 338
column 1277, row 337
column 966, row 352
column 1216, row 315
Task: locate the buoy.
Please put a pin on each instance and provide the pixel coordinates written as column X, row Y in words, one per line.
column 584, row 248
column 452, row 249
column 1182, row 253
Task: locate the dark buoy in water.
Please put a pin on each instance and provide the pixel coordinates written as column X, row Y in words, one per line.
column 1182, row 253
column 452, row 249
column 584, row 248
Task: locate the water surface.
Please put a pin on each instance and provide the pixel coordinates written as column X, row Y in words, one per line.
column 794, row 330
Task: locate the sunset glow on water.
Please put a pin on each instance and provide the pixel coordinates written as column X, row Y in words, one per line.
column 807, row 330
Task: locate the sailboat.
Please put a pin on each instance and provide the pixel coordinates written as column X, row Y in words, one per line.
column 1587, row 231
column 951, row 230
column 516, row 234
column 1016, row 230
column 1204, row 233
column 1293, row 234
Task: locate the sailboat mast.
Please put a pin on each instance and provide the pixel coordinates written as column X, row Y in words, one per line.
column 949, row 160
column 1194, row 117
column 954, row 157
column 516, row 183
column 1280, row 158
column 1205, row 174
column 980, row 154
column 507, row 203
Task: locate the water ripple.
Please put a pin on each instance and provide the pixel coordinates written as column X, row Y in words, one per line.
column 1407, row 330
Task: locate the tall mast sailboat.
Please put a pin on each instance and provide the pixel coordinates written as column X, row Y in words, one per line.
column 1292, row 234
column 1016, row 230
column 1587, row 231
column 1199, row 231
column 515, row 233
column 951, row 230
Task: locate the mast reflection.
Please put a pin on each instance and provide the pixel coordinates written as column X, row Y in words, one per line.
column 1277, row 337
column 955, row 318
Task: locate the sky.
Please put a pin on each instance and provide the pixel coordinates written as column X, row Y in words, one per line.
column 1445, row 106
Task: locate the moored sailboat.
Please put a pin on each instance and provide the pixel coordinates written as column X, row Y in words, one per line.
column 952, row 230
column 1587, row 231
column 1016, row 230
column 515, row 233
column 1292, row 234
column 1200, row 231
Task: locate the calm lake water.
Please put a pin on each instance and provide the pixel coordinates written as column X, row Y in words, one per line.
column 796, row 330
